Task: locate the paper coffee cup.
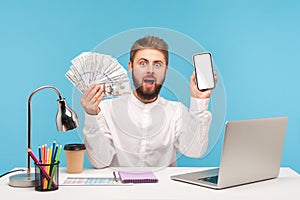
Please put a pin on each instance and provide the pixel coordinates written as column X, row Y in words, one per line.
column 74, row 157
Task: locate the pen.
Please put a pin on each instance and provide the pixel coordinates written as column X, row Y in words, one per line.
column 115, row 176
column 41, row 168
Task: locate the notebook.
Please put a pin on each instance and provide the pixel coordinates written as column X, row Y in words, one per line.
column 252, row 151
column 137, row 177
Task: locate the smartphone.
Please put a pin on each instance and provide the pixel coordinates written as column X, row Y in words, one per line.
column 204, row 71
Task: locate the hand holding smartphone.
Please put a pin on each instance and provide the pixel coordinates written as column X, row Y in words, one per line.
column 204, row 71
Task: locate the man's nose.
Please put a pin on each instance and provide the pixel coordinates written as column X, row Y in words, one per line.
column 150, row 68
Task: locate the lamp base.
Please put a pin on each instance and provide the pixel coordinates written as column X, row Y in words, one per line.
column 22, row 180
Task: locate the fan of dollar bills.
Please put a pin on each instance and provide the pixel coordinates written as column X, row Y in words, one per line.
column 95, row 68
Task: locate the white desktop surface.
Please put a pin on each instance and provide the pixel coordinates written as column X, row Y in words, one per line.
column 286, row 186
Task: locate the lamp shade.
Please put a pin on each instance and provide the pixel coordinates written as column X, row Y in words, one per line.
column 66, row 118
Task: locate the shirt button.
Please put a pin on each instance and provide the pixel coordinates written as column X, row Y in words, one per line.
column 143, row 142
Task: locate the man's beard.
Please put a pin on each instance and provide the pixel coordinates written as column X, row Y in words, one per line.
column 146, row 95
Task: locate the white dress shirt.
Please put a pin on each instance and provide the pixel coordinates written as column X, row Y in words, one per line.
column 130, row 133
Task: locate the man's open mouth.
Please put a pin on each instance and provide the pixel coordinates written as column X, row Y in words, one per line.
column 149, row 81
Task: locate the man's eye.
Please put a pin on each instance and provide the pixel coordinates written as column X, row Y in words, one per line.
column 157, row 65
column 143, row 63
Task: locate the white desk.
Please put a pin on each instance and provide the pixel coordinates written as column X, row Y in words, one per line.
column 286, row 186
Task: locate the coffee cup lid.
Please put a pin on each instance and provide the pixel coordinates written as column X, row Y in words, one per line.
column 74, row 147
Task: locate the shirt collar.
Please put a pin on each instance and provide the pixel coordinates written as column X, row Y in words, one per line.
column 136, row 101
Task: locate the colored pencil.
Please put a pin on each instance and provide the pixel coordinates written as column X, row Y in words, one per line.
column 55, row 165
column 40, row 153
column 54, row 153
column 53, row 150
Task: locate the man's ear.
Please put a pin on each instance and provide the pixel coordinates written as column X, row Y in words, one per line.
column 130, row 66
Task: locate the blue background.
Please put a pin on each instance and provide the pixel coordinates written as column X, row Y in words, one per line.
column 255, row 45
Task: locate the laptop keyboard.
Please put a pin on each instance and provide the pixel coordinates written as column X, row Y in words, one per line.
column 212, row 179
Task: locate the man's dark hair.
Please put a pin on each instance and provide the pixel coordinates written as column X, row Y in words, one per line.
column 150, row 42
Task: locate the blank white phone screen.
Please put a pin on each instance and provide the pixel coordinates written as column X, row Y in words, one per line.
column 204, row 71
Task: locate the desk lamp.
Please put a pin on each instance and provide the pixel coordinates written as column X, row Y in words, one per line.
column 66, row 119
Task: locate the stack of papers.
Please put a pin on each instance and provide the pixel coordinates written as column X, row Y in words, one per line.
column 95, row 68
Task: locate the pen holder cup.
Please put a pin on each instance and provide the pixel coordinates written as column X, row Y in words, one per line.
column 46, row 176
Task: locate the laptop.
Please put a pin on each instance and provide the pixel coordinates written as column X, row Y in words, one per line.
column 252, row 151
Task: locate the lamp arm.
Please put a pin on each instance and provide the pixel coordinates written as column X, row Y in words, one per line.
column 29, row 118
column 44, row 87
